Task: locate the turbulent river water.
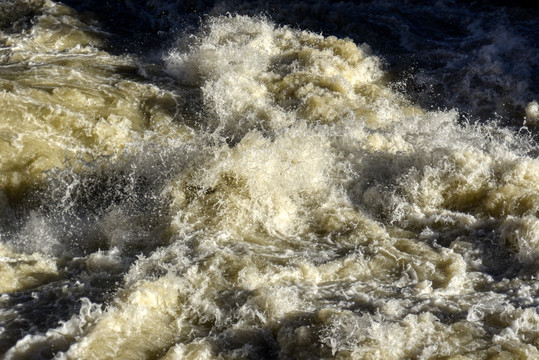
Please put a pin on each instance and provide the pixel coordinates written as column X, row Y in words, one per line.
column 293, row 180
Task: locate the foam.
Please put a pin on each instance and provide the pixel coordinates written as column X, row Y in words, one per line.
column 305, row 210
column 24, row 271
column 62, row 99
column 532, row 112
column 269, row 77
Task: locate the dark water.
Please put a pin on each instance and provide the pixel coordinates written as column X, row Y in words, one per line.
column 479, row 57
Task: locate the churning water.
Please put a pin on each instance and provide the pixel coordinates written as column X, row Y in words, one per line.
column 302, row 180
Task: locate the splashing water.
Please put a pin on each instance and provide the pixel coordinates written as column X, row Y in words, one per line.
column 259, row 191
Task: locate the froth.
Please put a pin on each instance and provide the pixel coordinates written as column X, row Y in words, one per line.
column 21, row 271
column 253, row 74
column 314, row 212
column 62, row 99
column 277, row 188
column 532, row 112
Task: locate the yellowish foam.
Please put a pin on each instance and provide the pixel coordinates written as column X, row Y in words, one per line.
column 61, row 99
column 22, row 271
column 270, row 77
column 306, row 225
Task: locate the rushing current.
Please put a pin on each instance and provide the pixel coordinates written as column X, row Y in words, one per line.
column 290, row 180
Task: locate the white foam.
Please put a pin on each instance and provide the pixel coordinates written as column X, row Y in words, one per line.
column 532, row 112
column 314, row 212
